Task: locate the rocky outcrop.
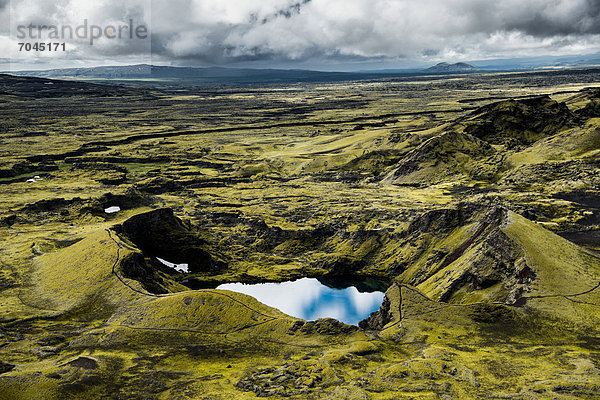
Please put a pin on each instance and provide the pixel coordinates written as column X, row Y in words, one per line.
column 26, row 167
column 157, row 185
column 519, row 122
column 134, row 266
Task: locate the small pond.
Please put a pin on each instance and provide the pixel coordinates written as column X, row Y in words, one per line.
column 310, row 299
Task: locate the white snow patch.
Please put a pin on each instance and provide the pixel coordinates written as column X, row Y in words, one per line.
column 177, row 267
column 112, row 210
column 34, row 179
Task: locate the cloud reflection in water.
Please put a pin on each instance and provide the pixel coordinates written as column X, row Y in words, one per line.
column 309, row 299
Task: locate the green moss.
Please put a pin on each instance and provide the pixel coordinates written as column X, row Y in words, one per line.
column 291, row 186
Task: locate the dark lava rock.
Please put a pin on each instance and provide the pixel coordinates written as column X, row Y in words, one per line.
column 9, row 220
column 26, row 167
column 297, row 325
column 158, row 185
column 378, row 319
column 6, row 367
column 17, row 169
column 37, row 88
column 591, row 110
column 135, row 267
column 84, row 362
column 51, row 205
column 444, row 220
column 285, row 381
column 342, row 266
column 363, row 284
column 131, row 199
column 327, row 326
column 52, row 340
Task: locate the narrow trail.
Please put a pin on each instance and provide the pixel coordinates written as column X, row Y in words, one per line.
column 568, row 296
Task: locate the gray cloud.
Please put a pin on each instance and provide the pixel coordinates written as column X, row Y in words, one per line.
column 233, row 31
column 557, row 18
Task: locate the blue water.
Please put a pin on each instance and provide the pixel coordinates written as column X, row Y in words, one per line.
column 309, row 299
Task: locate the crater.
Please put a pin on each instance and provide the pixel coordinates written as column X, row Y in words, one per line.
column 160, row 234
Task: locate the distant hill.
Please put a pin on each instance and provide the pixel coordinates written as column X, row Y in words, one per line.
column 36, row 88
column 184, row 76
column 446, row 68
column 157, row 71
column 215, row 75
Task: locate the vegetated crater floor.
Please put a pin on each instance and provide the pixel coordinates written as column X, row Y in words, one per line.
column 471, row 199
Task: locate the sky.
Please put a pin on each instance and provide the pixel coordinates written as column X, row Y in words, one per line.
column 317, row 34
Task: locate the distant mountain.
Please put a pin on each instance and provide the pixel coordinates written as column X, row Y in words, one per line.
column 542, row 62
column 157, row 71
column 200, row 75
column 446, row 68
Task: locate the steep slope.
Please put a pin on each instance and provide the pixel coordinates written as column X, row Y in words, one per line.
column 450, row 156
column 498, row 256
column 94, row 273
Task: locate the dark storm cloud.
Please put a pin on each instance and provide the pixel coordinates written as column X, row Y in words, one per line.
column 581, row 19
column 421, row 29
column 229, row 31
column 288, row 12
